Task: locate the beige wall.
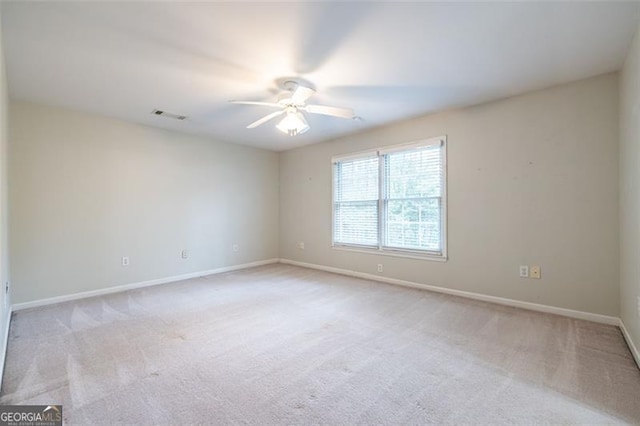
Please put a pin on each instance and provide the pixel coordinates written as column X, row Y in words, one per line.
column 630, row 191
column 531, row 180
column 4, row 206
column 87, row 190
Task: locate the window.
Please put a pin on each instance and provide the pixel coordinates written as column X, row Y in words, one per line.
column 392, row 200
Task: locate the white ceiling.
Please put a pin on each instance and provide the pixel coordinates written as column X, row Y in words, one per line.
column 387, row 61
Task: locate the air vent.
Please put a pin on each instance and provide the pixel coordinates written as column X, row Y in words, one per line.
column 168, row 114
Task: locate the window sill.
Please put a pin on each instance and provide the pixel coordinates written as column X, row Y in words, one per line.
column 392, row 253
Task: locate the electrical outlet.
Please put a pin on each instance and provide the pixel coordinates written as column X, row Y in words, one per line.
column 235, row 247
column 184, row 254
column 534, row 272
column 125, row 260
column 524, row 271
column 379, row 267
column 301, row 245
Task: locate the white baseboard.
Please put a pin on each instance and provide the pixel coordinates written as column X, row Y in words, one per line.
column 132, row 286
column 603, row 319
column 3, row 356
column 632, row 347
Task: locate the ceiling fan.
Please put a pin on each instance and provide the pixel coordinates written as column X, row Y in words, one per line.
column 292, row 103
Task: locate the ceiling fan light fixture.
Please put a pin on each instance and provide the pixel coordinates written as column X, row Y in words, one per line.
column 293, row 124
column 291, row 102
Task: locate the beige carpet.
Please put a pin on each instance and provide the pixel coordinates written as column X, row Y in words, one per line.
column 286, row 345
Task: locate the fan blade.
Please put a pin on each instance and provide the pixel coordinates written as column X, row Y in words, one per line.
column 332, row 111
column 269, row 104
column 265, row 119
column 301, row 95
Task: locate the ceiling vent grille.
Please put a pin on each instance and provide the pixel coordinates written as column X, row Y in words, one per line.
column 168, row 114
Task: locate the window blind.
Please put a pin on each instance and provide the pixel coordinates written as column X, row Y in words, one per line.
column 413, row 198
column 356, row 189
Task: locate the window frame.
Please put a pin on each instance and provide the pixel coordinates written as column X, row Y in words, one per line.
column 381, row 249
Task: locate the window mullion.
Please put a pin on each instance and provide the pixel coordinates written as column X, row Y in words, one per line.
column 381, row 201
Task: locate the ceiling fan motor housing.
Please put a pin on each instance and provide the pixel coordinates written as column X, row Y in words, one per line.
column 284, row 98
